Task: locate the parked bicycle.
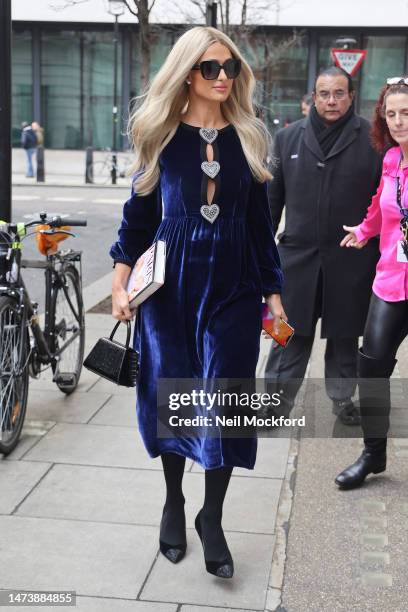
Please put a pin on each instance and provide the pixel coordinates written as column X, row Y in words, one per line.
column 100, row 172
column 25, row 347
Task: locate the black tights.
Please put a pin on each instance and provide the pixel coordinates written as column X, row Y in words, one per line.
column 172, row 528
column 385, row 328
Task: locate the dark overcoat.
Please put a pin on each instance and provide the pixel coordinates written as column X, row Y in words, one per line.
column 320, row 194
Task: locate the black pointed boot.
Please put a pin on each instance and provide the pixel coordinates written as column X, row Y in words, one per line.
column 375, row 405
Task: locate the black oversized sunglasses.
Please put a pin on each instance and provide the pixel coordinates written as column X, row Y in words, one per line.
column 210, row 69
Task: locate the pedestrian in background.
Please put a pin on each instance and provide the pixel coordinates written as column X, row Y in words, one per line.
column 29, row 144
column 200, row 153
column 326, row 171
column 39, row 132
column 306, row 104
column 387, row 321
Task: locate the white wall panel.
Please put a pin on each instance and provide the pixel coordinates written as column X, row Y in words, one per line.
column 346, row 13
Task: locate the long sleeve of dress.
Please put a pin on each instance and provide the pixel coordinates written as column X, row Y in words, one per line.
column 276, row 187
column 371, row 226
column 260, row 224
column 141, row 218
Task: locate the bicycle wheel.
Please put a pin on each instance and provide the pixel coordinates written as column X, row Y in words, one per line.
column 99, row 173
column 14, row 351
column 67, row 321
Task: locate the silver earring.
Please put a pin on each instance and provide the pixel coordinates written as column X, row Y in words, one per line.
column 188, row 82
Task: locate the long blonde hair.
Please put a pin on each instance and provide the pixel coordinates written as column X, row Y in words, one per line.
column 154, row 123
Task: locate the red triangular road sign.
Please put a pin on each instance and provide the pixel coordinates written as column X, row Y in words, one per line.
column 349, row 59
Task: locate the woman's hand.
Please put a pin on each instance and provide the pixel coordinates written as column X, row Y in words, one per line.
column 276, row 309
column 350, row 239
column 120, row 300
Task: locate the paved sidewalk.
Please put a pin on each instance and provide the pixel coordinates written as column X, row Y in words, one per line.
column 81, row 505
column 63, row 168
column 81, row 502
column 347, row 550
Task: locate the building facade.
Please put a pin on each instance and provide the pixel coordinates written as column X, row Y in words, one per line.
column 63, row 61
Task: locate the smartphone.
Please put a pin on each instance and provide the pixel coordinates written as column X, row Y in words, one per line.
column 286, row 331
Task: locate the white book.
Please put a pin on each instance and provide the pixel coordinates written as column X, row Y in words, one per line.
column 147, row 274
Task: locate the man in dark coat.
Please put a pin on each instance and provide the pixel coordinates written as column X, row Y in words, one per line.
column 325, row 174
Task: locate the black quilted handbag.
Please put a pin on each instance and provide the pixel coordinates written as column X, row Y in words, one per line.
column 117, row 362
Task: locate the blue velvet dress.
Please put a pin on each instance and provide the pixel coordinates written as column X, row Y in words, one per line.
column 205, row 321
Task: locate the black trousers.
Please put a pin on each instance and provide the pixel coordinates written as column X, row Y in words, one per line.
column 290, row 363
column 385, row 329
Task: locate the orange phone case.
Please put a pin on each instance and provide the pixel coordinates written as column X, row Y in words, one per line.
column 285, row 332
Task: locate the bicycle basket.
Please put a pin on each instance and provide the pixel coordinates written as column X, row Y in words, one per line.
column 5, row 260
column 48, row 243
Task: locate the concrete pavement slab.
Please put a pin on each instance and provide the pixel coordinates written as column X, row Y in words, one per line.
column 271, row 460
column 79, row 407
column 137, row 497
column 106, row 604
column 99, row 494
column 24, row 444
column 188, row 582
column 94, row 445
column 210, row 609
column 116, row 411
column 102, row 385
column 89, row 558
column 17, row 479
column 32, row 432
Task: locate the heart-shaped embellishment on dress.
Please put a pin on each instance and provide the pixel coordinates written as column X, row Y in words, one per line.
column 208, row 134
column 210, row 168
column 210, row 212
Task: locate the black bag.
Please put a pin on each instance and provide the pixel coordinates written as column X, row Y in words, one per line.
column 113, row 360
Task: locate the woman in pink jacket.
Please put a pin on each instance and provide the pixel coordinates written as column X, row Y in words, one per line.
column 387, row 320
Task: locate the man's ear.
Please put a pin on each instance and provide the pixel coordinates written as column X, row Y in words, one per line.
column 352, row 95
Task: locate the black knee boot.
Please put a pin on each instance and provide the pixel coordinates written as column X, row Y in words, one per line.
column 218, row 559
column 173, row 541
column 375, row 405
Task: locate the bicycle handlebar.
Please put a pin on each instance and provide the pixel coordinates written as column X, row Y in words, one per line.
column 56, row 221
column 60, row 221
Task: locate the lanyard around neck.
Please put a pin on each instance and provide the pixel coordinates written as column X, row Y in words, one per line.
column 403, row 211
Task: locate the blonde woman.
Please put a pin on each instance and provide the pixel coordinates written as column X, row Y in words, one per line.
column 201, row 186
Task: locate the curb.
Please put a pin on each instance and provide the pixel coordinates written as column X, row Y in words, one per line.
column 276, row 578
column 97, row 291
column 69, row 185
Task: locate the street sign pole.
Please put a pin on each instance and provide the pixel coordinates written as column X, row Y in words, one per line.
column 5, row 110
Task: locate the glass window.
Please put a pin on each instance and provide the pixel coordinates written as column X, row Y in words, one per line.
column 161, row 41
column 60, row 89
column 279, row 62
column 22, row 84
column 98, row 78
column 385, row 58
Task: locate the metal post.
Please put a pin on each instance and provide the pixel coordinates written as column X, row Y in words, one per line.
column 5, row 110
column 115, row 100
column 36, row 74
column 211, row 13
column 40, row 164
column 89, row 165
